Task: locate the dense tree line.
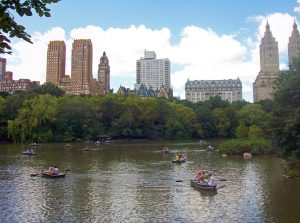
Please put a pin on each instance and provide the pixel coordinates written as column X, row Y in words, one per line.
column 46, row 114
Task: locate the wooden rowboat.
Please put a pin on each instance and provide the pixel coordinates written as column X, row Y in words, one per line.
column 29, row 153
column 178, row 161
column 202, row 186
column 50, row 175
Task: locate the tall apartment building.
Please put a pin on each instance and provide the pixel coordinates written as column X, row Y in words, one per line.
column 265, row 83
column 56, row 62
column 104, row 74
column 82, row 61
column 152, row 72
column 202, row 90
column 294, row 45
column 2, row 67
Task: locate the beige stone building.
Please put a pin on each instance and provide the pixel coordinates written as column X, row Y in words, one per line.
column 104, row 74
column 294, row 45
column 202, row 90
column 265, row 83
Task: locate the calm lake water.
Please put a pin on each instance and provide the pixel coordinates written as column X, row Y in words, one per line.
column 135, row 182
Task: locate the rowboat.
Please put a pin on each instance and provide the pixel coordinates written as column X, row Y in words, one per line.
column 202, row 186
column 51, row 175
column 178, row 161
column 29, row 153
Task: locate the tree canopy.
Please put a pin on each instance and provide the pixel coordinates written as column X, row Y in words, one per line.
column 285, row 119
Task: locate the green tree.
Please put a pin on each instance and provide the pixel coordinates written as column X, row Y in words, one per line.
column 222, row 121
column 241, row 132
column 34, row 120
column 255, row 132
column 8, row 25
column 48, row 88
column 252, row 114
column 76, row 119
column 9, row 110
column 285, row 119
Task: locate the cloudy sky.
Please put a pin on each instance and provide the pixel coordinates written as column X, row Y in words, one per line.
column 204, row 39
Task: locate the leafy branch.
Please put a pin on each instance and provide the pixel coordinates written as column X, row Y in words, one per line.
column 9, row 28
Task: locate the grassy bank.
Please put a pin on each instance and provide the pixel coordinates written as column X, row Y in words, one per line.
column 240, row 146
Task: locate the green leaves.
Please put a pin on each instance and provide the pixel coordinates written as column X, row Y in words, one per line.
column 8, row 24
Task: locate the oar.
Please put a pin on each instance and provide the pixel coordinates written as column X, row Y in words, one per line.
column 221, row 186
column 35, row 175
column 222, row 179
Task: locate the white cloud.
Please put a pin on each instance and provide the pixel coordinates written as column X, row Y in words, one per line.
column 199, row 54
column 297, row 8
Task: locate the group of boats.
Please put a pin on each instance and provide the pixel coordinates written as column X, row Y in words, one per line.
column 198, row 185
column 48, row 174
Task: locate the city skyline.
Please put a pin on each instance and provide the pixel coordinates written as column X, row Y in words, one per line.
column 203, row 40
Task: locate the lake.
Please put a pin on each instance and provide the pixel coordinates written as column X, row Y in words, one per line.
column 136, row 182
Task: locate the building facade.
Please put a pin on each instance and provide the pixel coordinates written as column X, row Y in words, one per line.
column 81, row 80
column 2, row 67
column 152, row 72
column 145, row 92
column 294, row 45
column 56, row 62
column 265, row 83
column 82, row 61
column 202, row 90
column 11, row 86
column 104, row 74
column 8, row 76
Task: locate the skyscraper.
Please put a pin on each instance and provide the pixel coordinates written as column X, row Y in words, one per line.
column 82, row 61
column 265, row 82
column 56, row 62
column 2, row 67
column 104, row 74
column 294, row 45
column 152, row 72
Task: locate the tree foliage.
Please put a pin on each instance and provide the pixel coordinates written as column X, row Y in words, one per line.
column 285, row 119
column 46, row 114
column 34, row 120
column 9, row 28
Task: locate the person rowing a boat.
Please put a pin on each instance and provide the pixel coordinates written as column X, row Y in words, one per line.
column 199, row 176
column 51, row 170
column 211, row 180
column 55, row 171
column 165, row 149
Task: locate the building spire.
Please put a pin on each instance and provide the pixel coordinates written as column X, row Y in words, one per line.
column 295, row 24
column 267, row 25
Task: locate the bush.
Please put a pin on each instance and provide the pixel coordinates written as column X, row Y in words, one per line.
column 240, row 146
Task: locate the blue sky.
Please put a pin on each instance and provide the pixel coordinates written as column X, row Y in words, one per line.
column 204, row 39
